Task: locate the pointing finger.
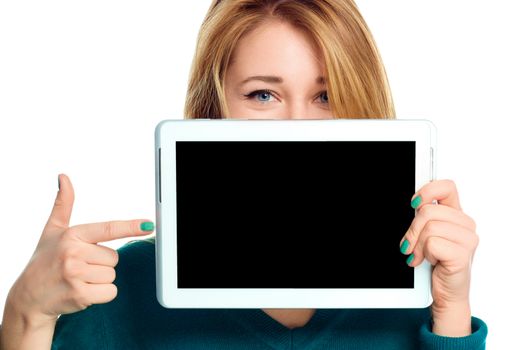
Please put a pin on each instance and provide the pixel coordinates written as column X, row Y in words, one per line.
column 111, row 230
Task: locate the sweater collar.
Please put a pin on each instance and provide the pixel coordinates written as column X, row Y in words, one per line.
column 278, row 336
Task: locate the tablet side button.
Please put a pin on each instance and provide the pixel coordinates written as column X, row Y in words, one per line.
column 431, row 164
column 159, row 176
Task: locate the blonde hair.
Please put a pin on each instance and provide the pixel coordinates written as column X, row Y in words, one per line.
column 356, row 80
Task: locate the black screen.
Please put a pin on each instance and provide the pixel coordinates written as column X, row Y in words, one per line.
column 293, row 214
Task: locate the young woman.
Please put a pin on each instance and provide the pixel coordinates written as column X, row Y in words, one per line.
column 254, row 59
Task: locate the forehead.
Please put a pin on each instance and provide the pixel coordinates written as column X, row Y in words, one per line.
column 279, row 48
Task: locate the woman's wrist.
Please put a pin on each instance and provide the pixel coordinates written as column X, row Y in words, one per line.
column 23, row 329
column 29, row 319
column 451, row 320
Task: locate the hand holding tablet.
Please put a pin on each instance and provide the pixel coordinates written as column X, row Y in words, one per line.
column 289, row 213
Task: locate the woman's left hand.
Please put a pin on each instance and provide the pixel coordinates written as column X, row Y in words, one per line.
column 446, row 237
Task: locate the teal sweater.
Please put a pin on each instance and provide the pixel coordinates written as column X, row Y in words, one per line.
column 135, row 320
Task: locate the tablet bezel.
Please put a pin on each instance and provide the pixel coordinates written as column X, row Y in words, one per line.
column 167, row 132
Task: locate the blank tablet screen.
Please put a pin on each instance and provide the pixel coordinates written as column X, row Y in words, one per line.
column 293, row 214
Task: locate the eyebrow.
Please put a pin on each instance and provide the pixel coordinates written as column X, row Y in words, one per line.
column 275, row 80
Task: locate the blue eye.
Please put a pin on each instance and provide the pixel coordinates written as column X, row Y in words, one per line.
column 262, row 95
column 323, row 96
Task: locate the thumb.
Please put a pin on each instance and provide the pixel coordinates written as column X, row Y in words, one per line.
column 61, row 212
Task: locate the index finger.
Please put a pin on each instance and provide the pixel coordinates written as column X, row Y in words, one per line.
column 444, row 191
column 111, row 230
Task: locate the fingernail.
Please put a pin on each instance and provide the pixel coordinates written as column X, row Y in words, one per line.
column 416, row 202
column 404, row 246
column 147, row 226
column 58, row 181
column 410, row 259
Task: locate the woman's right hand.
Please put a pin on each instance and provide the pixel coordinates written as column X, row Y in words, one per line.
column 68, row 271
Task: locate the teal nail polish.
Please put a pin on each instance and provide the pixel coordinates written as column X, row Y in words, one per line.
column 410, row 259
column 147, row 226
column 404, row 246
column 416, row 202
column 58, row 181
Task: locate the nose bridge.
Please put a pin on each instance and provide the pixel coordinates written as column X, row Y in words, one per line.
column 297, row 109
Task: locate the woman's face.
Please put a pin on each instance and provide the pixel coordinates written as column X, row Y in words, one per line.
column 276, row 72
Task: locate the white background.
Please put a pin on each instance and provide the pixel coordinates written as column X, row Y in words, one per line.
column 84, row 83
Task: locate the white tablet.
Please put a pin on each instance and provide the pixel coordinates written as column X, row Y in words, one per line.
column 289, row 213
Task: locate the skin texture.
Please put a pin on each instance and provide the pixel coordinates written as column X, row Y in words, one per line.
column 441, row 233
column 298, row 63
